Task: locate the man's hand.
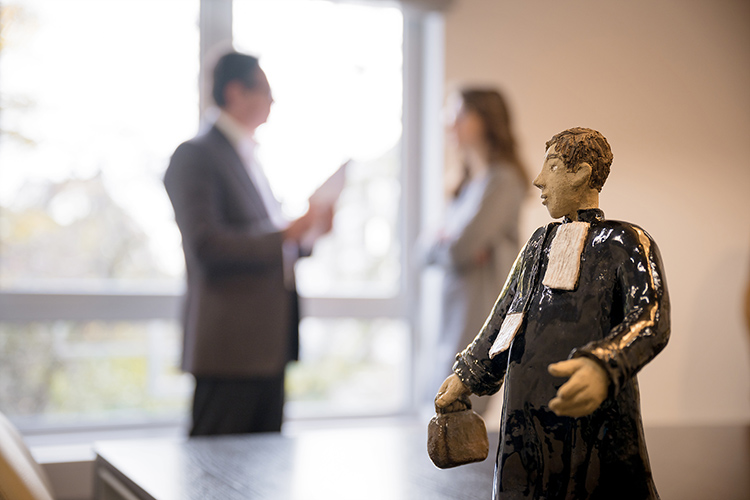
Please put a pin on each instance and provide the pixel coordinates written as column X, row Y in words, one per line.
column 317, row 221
column 298, row 227
column 449, row 393
column 324, row 218
column 586, row 389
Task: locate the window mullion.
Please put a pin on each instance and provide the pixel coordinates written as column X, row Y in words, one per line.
column 32, row 307
column 215, row 33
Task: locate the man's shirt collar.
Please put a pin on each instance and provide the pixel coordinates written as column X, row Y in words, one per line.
column 233, row 130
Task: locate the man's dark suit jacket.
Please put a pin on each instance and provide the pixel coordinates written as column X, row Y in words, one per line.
column 240, row 320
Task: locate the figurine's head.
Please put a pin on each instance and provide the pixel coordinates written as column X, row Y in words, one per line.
column 583, row 145
column 576, row 165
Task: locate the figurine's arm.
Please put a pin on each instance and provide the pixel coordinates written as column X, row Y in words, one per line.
column 644, row 331
column 473, row 365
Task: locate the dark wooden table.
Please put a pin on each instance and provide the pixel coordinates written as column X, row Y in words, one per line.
column 351, row 464
column 689, row 463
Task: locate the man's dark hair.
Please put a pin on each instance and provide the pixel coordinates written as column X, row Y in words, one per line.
column 584, row 145
column 233, row 66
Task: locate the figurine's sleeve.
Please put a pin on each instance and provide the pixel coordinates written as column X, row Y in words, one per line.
column 645, row 329
column 473, row 365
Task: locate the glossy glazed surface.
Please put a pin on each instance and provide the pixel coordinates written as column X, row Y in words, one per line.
column 617, row 315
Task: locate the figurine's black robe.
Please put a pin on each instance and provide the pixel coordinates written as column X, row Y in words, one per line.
column 617, row 315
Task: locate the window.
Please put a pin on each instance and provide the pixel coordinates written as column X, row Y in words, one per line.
column 75, row 373
column 94, row 97
column 336, row 71
column 336, row 74
column 90, row 114
column 350, row 366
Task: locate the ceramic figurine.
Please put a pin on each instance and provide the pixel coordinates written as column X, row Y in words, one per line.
column 585, row 300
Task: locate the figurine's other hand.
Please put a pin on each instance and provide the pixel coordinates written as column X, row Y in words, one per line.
column 586, row 389
column 450, row 391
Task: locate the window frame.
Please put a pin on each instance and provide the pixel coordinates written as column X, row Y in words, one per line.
column 421, row 166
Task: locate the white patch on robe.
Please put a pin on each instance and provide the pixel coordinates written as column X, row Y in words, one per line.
column 565, row 256
column 563, row 269
column 508, row 331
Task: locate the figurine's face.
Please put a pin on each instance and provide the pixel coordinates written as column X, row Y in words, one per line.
column 561, row 190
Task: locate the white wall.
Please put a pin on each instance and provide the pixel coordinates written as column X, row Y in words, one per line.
column 668, row 84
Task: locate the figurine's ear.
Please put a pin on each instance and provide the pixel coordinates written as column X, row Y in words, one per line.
column 582, row 176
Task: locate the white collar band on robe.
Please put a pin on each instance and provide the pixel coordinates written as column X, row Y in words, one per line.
column 565, row 256
column 563, row 270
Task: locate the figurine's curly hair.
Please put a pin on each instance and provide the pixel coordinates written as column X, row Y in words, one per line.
column 583, row 145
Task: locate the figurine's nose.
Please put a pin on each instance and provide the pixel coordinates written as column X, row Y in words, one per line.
column 538, row 182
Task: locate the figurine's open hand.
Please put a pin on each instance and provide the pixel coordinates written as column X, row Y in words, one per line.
column 450, row 392
column 586, row 389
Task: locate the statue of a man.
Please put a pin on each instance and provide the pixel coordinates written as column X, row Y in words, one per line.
column 586, row 299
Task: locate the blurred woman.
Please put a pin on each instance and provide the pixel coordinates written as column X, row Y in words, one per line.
column 479, row 241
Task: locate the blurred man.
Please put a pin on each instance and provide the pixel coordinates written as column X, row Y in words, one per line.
column 241, row 314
